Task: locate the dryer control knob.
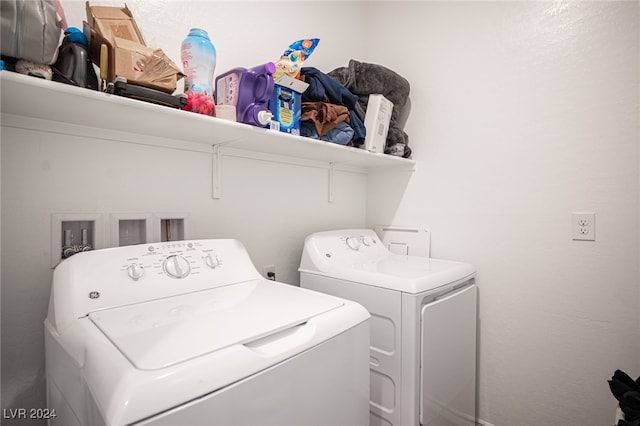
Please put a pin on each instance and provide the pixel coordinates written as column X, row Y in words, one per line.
column 212, row 261
column 176, row 266
column 135, row 271
column 353, row 243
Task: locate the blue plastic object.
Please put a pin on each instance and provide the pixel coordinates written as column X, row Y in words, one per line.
column 76, row 36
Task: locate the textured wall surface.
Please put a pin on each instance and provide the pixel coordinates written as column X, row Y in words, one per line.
column 523, row 112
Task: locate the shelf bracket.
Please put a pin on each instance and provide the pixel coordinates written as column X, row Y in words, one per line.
column 331, row 183
column 216, row 172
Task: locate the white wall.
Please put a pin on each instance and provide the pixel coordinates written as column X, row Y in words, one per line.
column 269, row 206
column 524, row 112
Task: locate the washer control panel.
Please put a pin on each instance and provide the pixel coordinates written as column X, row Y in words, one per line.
column 174, row 260
column 118, row 276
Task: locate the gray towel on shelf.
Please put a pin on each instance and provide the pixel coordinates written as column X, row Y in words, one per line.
column 364, row 79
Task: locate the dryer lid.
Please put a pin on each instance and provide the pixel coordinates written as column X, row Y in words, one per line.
column 164, row 332
column 409, row 274
column 358, row 255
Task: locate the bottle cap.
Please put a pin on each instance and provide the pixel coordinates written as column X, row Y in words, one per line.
column 264, row 117
column 198, row 31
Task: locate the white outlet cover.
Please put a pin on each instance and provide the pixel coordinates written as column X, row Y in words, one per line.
column 265, row 269
column 583, row 226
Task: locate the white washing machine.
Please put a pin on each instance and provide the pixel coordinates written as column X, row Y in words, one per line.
column 189, row 333
column 423, row 325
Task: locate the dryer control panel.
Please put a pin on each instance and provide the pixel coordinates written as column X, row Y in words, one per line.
column 349, row 247
column 357, row 241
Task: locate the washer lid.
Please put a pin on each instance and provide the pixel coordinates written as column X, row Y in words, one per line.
column 160, row 333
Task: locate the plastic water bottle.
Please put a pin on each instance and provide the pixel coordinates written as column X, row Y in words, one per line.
column 199, row 62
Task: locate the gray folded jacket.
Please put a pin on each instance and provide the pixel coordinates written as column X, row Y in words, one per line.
column 364, row 79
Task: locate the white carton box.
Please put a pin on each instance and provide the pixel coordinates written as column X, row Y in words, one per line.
column 376, row 121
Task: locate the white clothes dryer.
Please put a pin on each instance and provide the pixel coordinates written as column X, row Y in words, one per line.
column 189, row 333
column 423, row 325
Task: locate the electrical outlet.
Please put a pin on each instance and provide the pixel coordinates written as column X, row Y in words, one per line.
column 269, row 272
column 584, row 226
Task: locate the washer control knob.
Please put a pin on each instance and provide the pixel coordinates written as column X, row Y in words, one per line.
column 135, row 271
column 366, row 241
column 353, row 243
column 176, row 266
column 211, row 261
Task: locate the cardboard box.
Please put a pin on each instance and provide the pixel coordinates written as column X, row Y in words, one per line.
column 128, row 56
column 376, row 121
column 286, row 105
column 112, row 22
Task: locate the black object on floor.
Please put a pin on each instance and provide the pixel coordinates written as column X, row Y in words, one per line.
column 627, row 392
